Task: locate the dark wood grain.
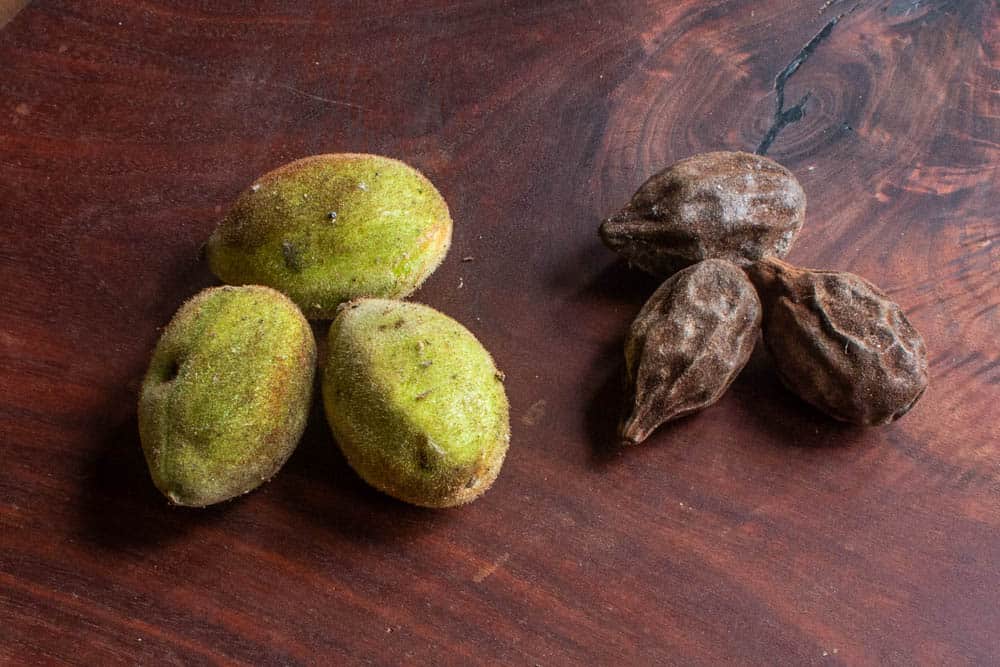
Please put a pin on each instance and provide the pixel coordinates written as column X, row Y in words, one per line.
column 757, row 532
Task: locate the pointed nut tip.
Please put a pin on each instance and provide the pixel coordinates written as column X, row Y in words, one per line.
column 629, row 436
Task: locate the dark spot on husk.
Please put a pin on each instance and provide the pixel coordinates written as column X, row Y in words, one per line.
column 424, row 459
column 428, row 453
column 292, row 255
column 172, row 371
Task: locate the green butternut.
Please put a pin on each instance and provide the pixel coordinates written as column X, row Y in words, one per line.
column 415, row 402
column 227, row 393
column 330, row 228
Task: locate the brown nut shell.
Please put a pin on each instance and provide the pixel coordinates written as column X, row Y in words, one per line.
column 688, row 344
column 840, row 343
column 726, row 205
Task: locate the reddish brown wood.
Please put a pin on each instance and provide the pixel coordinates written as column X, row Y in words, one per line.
column 756, row 532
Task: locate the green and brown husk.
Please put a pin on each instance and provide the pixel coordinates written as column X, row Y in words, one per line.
column 415, row 402
column 227, row 393
column 329, row 228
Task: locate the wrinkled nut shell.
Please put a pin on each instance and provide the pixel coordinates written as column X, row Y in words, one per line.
column 688, row 344
column 840, row 343
column 726, row 205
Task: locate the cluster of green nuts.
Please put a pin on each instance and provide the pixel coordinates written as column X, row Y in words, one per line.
column 716, row 226
column 414, row 401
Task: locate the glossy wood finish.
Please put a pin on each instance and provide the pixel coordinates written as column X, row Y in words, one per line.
column 757, row 532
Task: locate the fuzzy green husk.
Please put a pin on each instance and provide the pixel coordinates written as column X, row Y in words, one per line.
column 415, row 402
column 329, row 228
column 227, row 393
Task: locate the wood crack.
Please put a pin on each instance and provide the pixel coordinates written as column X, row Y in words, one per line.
column 784, row 117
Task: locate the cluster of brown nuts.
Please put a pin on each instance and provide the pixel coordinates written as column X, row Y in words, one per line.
column 716, row 226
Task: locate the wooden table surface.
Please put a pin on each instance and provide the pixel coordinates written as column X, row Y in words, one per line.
column 756, row 532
